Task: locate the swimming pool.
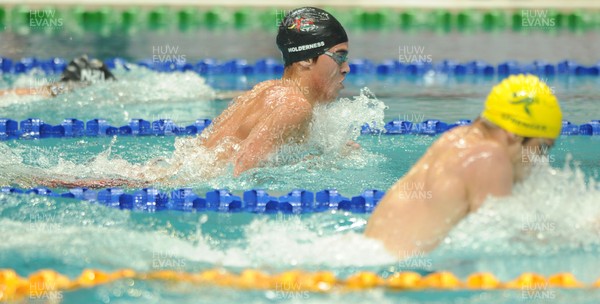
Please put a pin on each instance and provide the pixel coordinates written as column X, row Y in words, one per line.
column 549, row 226
column 532, row 231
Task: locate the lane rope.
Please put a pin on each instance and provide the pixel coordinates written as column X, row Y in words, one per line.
column 44, row 282
column 297, row 201
column 36, row 128
column 404, row 65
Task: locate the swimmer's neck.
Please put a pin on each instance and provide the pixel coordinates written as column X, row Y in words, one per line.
column 302, row 82
column 509, row 141
column 493, row 132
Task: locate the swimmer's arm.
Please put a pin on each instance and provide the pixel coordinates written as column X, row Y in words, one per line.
column 50, row 90
column 90, row 183
column 45, row 91
column 488, row 172
column 270, row 133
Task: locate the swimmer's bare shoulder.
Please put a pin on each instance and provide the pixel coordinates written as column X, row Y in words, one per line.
column 289, row 115
column 243, row 94
column 486, row 170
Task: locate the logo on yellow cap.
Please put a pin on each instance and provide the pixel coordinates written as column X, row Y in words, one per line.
column 526, row 101
column 524, row 105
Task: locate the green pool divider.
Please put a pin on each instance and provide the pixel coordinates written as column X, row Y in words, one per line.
column 559, row 18
column 214, row 18
column 158, row 18
column 413, row 20
column 130, row 19
column 2, row 18
column 20, row 16
column 269, row 19
column 187, row 18
column 517, row 21
column 440, row 20
column 243, row 18
column 494, row 20
column 372, row 20
column 595, row 20
column 75, row 15
column 344, row 16
column 467, row 20
column 578, row 21
column 26, row 20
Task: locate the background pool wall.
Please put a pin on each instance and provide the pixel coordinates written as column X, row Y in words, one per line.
column 529, row 31
column 342, row 3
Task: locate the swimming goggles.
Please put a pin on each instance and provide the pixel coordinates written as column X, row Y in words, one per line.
column 337, row 57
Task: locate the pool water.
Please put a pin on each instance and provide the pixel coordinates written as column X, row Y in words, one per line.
column 551, row 224
column 183, row 97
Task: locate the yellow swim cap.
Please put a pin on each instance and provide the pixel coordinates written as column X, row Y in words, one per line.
column 525, row 106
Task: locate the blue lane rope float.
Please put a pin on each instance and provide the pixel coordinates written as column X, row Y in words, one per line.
column 434, row 127
column 297, row 201
column 35, row 128
column 273, row 66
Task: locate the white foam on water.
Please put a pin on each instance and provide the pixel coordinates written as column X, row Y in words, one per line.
column 287, row 241
column 189, row 163
column 138, row 85
column 326, row 149
column 333, row 126
column 84, row 233
column 552, row 210
column 138, row 93
column 549, row 225
column 336, row 123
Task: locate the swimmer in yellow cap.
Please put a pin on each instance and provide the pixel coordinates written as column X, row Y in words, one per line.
column 464, row 166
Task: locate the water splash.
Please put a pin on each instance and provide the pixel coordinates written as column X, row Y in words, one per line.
column 191, row 164
column 552, row 210
column 83, row 234
column 326, row 150
column 551, row 223
column 289, row 241
column 533, row 222
column 334, row 124
column 138, row 92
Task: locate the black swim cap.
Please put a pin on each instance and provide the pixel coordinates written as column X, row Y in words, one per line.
column 308, row 32
column 82, row 69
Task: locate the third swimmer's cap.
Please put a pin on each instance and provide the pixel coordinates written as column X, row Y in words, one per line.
column 525, row 106
column 308, row 32
column 85, row 70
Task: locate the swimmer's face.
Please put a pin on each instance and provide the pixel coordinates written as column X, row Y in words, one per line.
column 533, row 150
column 330, row 71
column 541, row 146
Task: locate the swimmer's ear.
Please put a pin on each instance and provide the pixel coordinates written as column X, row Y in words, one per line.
column 306, row 63
column 515, row 138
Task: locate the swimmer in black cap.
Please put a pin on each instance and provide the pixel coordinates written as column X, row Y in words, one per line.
column 79, row 72
column 314, row 46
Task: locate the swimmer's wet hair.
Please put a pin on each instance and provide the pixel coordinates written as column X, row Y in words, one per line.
column 314, row 59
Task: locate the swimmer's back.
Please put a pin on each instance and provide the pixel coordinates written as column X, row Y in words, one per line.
column 247, row 111
column 432, row 197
